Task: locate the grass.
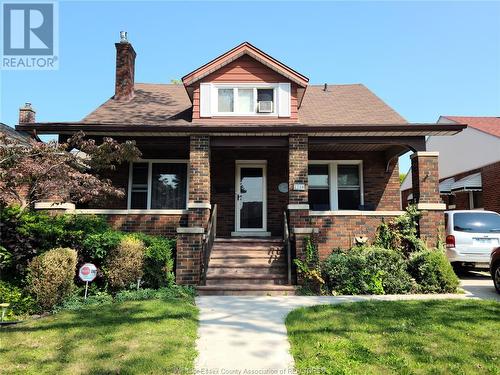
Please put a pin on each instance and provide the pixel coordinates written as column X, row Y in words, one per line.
column 134, row 337
column 407, row 337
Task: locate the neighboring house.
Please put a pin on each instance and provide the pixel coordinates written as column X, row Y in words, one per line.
column 469, row 165
column 250, row 135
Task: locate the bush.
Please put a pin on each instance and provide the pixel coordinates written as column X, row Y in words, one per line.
column 125, row 263
column 97, row 246
column 26, row 234
column 400, row 234
column 51, row 276
column 369, row 270
column 20, row 303
column 158, row 261
column 433, row 272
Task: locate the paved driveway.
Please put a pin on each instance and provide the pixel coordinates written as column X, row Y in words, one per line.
column 479, row 284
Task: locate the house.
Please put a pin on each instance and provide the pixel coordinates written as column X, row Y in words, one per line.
column 469, row 165
column 249, row 135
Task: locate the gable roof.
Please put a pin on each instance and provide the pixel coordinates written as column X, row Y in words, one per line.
column 245, row 48
column 489, row 125
column 156, row 104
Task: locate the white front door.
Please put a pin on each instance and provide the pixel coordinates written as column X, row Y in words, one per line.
column 250, row 200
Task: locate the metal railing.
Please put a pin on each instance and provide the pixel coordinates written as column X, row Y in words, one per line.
column 288, row 251
column 208, row 244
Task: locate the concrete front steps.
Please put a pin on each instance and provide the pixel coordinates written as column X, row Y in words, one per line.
column 247, row 266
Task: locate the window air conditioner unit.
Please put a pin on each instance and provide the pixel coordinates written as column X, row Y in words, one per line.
column 265, row 106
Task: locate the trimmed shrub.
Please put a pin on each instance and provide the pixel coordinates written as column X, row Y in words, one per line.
column 158, row 261
column 125, row 263
column 433, row 272
column 20, row 303
column 51, row 276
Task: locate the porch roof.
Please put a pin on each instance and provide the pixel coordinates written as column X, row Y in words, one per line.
column 175, row 129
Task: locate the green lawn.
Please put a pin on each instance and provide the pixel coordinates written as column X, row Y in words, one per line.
column 412, row 337
column 136, row 337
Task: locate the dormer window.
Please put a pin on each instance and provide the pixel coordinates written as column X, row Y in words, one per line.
column 245, row 100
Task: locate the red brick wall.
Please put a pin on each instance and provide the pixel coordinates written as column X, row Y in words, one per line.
column 491, row 187
column 339, row 231
column 425, row 179
column 297, row 164
column 151, row 224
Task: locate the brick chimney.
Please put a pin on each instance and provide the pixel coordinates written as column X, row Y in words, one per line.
column 26, row 114
column 125, row 69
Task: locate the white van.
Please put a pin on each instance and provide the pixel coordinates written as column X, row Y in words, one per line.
column 471, row 236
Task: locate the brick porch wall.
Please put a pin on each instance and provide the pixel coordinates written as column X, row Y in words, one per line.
column 165, row 225
column 338, row 231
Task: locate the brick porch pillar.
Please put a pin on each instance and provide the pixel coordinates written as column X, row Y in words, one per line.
column 425, row 180
column 190, row 238
column 298, row 200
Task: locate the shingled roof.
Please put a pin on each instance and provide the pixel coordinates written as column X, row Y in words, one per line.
column 490, row 125
column 163, row 104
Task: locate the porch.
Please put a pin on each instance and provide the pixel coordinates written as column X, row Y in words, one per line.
column 332, row 188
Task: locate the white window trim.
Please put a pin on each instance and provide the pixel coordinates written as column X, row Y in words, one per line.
column 255, row 85
column 333, row 181
column 150, row 163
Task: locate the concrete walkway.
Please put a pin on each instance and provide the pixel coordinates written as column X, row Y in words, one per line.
column 248, row 333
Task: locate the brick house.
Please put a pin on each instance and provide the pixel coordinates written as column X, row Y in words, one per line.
column 249, row 135
column 469, row 165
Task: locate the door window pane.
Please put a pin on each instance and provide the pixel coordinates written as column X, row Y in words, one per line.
column 226, row 100
column 168, row 190
column 251, row 198
column 245, row 100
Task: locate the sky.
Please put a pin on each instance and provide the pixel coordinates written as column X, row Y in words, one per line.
column 424, row 59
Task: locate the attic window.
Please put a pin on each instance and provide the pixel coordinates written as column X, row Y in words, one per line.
column 245, row 100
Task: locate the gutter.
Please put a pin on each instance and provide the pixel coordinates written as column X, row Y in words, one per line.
column 356, row 129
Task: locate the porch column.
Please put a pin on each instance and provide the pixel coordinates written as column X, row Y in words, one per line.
column 425, row 180
column 298, row 200
column 190, row 238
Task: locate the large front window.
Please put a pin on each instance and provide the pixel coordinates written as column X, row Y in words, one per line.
column 158, row 185
column 335, row 185
column 245, row 100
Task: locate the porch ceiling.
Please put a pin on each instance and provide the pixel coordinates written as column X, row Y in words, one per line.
column 349, row 147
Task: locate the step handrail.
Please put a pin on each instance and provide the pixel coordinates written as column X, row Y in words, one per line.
column 208, row 244
column 286, row 241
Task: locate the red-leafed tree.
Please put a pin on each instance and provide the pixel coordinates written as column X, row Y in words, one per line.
column 32, row 171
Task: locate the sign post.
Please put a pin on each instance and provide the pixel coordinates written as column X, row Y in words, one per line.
column 87, row 273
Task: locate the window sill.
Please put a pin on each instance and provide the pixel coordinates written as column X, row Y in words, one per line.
column 128, row 212
column 355, row 213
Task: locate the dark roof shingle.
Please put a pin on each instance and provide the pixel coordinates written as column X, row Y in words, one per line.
column 156, row 104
